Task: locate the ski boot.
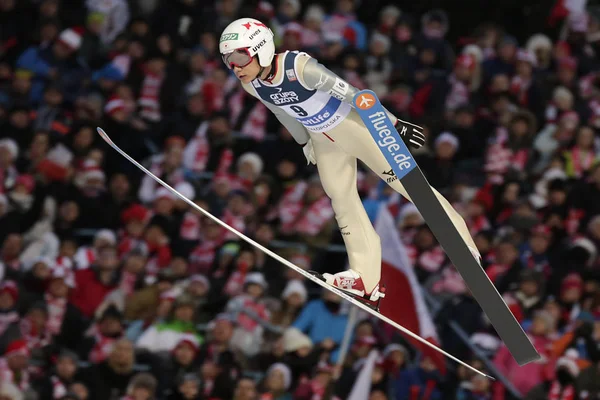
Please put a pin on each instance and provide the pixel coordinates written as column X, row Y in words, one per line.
column 351, row 283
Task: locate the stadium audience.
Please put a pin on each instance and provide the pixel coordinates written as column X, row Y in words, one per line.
column 111, row 288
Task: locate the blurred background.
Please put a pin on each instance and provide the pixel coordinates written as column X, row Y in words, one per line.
column 111, row 288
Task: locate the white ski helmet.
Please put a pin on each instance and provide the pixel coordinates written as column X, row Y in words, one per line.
column 250, row 34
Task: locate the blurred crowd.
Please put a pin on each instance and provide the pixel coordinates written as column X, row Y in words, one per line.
column 112, row 288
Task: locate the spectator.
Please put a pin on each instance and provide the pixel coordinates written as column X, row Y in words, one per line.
column 251, row 311
column 141, row 387
column 278, row 382
column 102, row 335
column 188, row 389
column 220, row 336
column 293, row 298
column 94, row 283
column 15, row 366
column 534, row 373
column 66, row 373
column 424, row 377
column 217, row 374
column 567, row 370
column 111, row 377
column 58, row 62
column 322, row 321
column 300, row 354
column 164, row 336
column 183, row 361
column 245, row 390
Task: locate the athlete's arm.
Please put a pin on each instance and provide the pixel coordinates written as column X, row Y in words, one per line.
column 296, row 129
column 316, row 76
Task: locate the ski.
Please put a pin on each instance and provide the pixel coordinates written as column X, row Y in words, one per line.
column 282, row 260
column 408, row 172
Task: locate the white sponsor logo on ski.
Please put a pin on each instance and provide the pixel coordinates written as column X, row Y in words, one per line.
column 388, row 141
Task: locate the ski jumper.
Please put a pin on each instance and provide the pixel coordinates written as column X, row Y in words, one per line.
column 314, row 103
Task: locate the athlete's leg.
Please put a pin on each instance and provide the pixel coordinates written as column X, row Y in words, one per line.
column 361, row 145
column 337, row 171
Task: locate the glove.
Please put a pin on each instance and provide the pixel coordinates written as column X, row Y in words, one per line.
column 411, row 134
column 309, row 153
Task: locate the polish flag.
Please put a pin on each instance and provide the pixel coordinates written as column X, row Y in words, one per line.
column 404, row 302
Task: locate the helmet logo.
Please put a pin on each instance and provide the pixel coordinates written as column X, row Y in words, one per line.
column 258, row 46
column 253, row 35
column 228, row 36
column 248, row 25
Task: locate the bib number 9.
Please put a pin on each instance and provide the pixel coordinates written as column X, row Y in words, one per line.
column 299, row 110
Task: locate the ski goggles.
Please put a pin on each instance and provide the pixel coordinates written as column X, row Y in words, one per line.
column 237, row 58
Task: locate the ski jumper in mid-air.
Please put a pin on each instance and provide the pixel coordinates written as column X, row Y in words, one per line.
column 315, row 105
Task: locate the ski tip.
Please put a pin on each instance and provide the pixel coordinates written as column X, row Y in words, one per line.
column 528, row 359
column 103, row 134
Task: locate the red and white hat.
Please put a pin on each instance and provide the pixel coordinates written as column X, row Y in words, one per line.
column 256, row 278
column 91, row 170
column 569, row 361
column 27, row 181
column 390, row 348
column 164, row 193
column 293, row 28
column 113, row 105
column 11, row 288
column 447, row 137
column 541, row 230
column 107, row 235
column 366, row 341
column 570, row 120
column 571, row 281
column 324, row 367
column 11, row 146
column 186, row 189
column 136, row 212
column 568, row 63
column 17, row 347
column 467, row 61
column 170, row 295
column 265, row 8
column 64, row 262
column 65, row 274
column 301, row 260
column 72, row 37
column 527, row 56
column 55, row 165
column 190, row 340
column 201, row 279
